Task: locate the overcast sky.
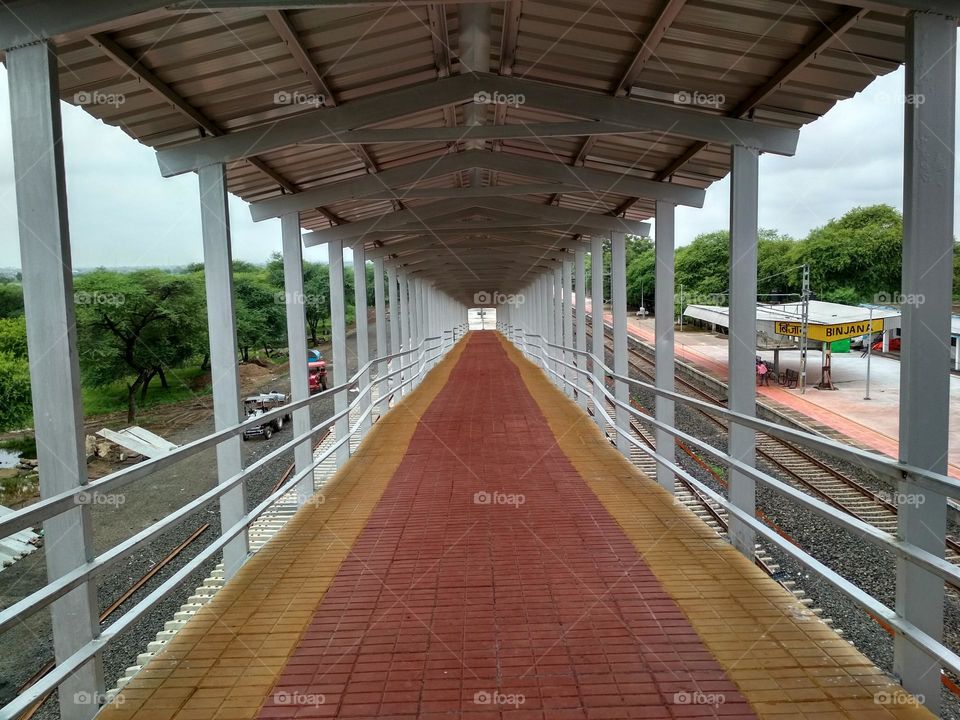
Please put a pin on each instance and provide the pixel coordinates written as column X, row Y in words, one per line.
column 122, row 213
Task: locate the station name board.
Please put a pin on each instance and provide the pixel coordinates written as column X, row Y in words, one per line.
column 828, row 333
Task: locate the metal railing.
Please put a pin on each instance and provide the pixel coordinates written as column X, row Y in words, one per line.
column 589, row 378
column 401, row 379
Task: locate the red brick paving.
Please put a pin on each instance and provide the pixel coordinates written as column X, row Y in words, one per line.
column 450, row 606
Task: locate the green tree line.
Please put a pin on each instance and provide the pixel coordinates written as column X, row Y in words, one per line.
column 133, row 328
column 853, row 259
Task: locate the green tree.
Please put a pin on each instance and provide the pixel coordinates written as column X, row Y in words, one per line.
column 855, row 257
column 702, row 268
column 15, row 402
column 11, row 299
column 260, row 313
column 136, row 326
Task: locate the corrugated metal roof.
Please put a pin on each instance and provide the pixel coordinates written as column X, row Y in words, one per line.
column 773, row 61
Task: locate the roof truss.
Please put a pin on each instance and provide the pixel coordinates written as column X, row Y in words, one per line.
column 633, row 115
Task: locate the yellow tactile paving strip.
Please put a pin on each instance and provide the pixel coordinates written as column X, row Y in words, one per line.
column 227, row 658
column 785, row 661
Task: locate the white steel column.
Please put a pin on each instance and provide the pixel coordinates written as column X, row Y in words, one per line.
column 597, row 328
column 54, row 367
column 380, row 316
column 416, row 327
column 221, row 319
column 360, row 321
column 297, row 345
column 742, row 347
column 338, row 324
column 569, row 357
column 405, row 329
column 928, row 207
column 663, row 330
column 618, row 302
column 394, row 312
column 556, row 318
column 580, row 295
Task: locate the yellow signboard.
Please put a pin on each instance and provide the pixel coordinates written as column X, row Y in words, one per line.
column 828, row 333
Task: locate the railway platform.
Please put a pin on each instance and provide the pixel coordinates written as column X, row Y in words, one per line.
column 872, row 424
column 486, row 553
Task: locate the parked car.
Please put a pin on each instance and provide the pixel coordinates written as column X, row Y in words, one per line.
column 317, row 369
column 257, row 405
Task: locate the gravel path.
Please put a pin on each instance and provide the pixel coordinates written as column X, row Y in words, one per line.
column 28, row 646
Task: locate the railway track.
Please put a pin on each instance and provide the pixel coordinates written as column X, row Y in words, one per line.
column 794, row 464
column 708, row 511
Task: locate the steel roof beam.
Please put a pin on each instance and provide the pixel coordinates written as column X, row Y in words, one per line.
column 440, row 212
column 476, row 132
column 591, row 181
column 648, row 48
column 288, row 33
column 401, row 248
column 637, row 115
column 136, row 68
column 847, row 18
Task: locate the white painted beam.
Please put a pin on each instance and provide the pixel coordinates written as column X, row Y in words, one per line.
column 589, row 179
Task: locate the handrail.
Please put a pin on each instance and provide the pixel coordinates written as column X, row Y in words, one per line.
column 55, row 505
column 912, row 553
column 69, row 499
column 892, row 469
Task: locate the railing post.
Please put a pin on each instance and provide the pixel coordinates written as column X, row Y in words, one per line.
column 362, row 330
column 54, row 367
column 744, row 181
column 618, row 301
column 405, row 331
column 663, row 331
column 338, row 323
column 556, row 318
column 568, row 356
column 596, row 314
column 395, row 327
column 381, row 322
column 297, row 345
column 580, row 297
column 928, row 208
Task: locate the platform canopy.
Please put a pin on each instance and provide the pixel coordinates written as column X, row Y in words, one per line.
column 777, row 325
column 476, row 143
